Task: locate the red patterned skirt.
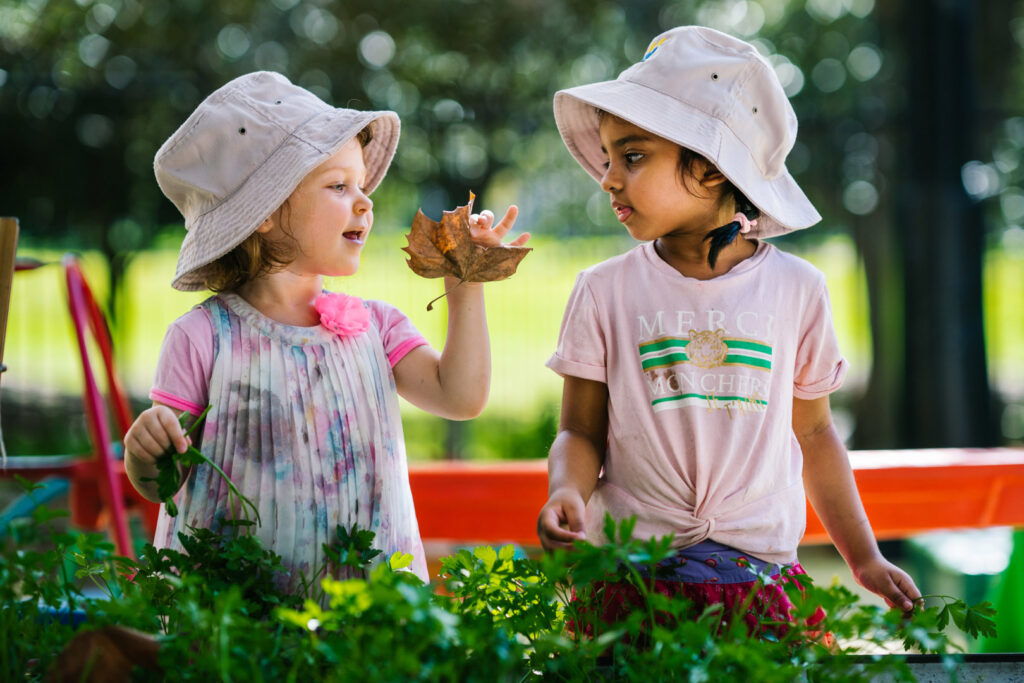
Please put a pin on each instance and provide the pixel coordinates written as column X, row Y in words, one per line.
column 709, row 574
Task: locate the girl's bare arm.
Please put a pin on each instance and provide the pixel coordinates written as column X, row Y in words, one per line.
column 574, row 462
column 832, row 491
column 455, row 383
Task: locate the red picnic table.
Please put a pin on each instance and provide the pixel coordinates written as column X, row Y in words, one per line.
column 904, row 492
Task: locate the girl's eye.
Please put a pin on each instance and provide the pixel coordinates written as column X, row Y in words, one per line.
column 340, row 187
column 633, row 157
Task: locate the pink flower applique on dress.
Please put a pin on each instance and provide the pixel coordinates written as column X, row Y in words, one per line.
column 344, row 315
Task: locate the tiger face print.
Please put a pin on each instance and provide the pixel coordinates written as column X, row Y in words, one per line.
column 707, row 348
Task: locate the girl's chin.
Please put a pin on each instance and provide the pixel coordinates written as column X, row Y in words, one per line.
column 344, row 270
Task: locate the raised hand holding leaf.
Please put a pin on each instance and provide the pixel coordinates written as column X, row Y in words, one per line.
column 464, row 245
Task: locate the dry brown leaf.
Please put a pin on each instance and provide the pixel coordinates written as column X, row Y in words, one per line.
column 445, row 247
column 106, row 655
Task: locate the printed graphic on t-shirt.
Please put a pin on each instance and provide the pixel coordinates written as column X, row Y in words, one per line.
column 708, row 369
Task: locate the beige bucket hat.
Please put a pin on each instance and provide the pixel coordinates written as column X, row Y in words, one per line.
column 713, row 94
column 243, row 151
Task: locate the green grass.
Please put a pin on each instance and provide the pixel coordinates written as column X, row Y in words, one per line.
column 524, row 312
column 1003, row 279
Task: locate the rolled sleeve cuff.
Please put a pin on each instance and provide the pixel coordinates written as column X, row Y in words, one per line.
column 824, row 386
column 175, row 402
column 400, row 351
column 572, row 368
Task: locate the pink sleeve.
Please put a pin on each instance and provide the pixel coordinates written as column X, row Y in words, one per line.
column 186, row 363
column 820, row 367
column 397, row 332
column 581, row 348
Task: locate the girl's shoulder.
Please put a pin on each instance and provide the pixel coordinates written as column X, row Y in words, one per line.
column 382, row 308
column 384, row 314
column 625, row 262
column 397, row 332
column 787, row 266
column 196, row 322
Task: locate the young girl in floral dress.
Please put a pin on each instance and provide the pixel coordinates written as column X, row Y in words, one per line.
column 273, row 184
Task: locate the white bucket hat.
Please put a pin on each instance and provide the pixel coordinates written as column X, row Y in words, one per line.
column 713, row 94
column 243, row 151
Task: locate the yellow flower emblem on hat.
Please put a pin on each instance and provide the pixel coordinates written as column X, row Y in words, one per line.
column 653, row 47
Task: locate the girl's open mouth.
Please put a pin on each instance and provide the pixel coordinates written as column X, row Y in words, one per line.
column 622, row 211
column 354, row 236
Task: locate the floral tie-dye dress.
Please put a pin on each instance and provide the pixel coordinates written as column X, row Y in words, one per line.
column 307, row 425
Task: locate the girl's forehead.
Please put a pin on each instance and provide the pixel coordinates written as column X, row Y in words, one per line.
column 349, row 158
column 612, row 122
column 615, row 131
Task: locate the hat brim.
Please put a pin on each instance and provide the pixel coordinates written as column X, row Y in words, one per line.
column 784, row 206
column 312, row 143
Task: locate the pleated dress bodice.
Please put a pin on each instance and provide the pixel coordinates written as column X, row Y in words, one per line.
column 307, row 425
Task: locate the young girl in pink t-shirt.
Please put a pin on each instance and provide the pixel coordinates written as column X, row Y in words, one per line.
column 698, row 365
column 273, row 184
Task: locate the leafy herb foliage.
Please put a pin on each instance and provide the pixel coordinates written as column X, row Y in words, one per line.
column 171, row 464
column 492, row 616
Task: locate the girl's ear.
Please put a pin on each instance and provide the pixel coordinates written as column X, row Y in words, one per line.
column 266, row 226
column 712, row 177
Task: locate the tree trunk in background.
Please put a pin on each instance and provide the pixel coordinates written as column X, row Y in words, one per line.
column 878, row 419
column 944, row 398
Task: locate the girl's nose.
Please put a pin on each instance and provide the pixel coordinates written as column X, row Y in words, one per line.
column 363, row 204
column 609, row 181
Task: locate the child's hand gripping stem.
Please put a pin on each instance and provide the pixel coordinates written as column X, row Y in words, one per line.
column 168, row 480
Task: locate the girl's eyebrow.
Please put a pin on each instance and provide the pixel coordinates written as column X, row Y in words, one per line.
column 335, row 169
column 625, row 140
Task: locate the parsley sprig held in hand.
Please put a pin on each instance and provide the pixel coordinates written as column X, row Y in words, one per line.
column 170, row 465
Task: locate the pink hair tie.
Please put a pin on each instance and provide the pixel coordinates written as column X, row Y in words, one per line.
column 745, row 223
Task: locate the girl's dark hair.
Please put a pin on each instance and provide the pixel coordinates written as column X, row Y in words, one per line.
column 723, row 236
column 257, row 255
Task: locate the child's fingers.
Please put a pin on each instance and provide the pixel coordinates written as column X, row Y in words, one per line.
column 486, row 236
column 482, row 220
column 908, row 592
column 145, row 444
column 172, row 428
column 553, row 541
column 893, row 594
column 573, row 518
column 520, row 241
column 553, row 533
column 507, row 221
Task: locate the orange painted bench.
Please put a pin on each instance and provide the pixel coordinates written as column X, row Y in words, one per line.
column 904, row 492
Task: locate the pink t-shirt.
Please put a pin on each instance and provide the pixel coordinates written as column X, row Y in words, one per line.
column 186, row 357
column 701, row 377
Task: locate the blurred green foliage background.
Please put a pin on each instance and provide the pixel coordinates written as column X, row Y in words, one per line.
column 90, row 88
column 911, row 131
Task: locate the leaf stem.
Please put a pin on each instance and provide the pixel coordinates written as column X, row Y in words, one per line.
column 198, row 420
column 430, row 306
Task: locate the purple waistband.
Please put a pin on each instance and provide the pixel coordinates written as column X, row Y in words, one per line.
column 711, row 562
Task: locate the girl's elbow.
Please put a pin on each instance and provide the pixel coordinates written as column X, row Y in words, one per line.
column 468, row 406
column 471, row 410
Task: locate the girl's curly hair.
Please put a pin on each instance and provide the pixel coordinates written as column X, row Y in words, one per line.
column 257, row 255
